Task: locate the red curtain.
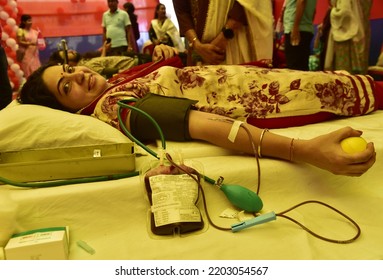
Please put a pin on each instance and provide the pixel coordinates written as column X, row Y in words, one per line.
column 59, row 18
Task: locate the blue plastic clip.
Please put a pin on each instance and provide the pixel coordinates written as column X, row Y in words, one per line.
column 255, row 221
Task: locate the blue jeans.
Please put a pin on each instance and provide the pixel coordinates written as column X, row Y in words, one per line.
column 5, row 86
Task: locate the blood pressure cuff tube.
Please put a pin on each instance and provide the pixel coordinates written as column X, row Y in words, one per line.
column 171, row 114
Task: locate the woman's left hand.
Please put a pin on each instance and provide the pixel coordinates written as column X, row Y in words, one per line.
column 326, row 152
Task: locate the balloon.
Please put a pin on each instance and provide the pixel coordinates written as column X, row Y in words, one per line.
column 15, row 47
column 11, row 42
column 11, row 22
column 4, row 36
column 4, row 15
column 15, row 82
column 11, row 74
column 11, row 54
column 15, row 67
column 8, row 9
column 20, row 74
column 12, row 4
column 8, row 51
column 22, row 80
column 10, row 60
column 20, row 11
column 8, row 29
column 12, row 35
column 3, row 2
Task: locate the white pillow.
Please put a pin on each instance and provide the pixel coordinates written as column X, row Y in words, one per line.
column 24, row 127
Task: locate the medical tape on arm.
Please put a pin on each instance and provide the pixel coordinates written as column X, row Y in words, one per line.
column 234, row 130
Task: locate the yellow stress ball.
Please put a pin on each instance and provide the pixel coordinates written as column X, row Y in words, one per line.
column 353, row 145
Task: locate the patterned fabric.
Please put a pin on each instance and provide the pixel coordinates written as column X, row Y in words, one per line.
column 247, row 92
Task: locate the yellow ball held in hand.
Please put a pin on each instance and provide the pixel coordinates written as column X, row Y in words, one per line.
column 353, row 145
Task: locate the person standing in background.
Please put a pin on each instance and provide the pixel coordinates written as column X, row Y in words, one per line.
column 5, row 85
column 325, row 33
column 117, row 26
column 27, row 41
column 129, row 8
column 350, row 35
column 298, row 26
column 163, row 31
column 226, row 32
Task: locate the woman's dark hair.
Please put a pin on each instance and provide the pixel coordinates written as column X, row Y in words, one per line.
column 23, row 19
column 56, row 58
column 34, row 91
column 129, row 8
column 157, row 9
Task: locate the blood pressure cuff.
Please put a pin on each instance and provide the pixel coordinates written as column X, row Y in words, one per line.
column 171, row 114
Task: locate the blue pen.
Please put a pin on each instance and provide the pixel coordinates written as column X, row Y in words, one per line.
column 255, row 221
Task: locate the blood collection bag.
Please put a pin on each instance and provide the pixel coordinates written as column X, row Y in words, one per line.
column 173, row 196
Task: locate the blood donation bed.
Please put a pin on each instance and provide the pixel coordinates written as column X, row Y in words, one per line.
column 113, row 217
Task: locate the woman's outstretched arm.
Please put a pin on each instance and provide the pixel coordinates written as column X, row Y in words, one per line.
column 324, row 151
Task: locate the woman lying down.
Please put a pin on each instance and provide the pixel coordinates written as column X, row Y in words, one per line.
column 205, row 103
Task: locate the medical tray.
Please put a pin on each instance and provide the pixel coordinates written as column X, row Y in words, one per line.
column 67, row 163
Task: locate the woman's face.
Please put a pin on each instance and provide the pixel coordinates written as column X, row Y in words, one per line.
column 28, row 23
column 74, row 87
column 161, row 12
